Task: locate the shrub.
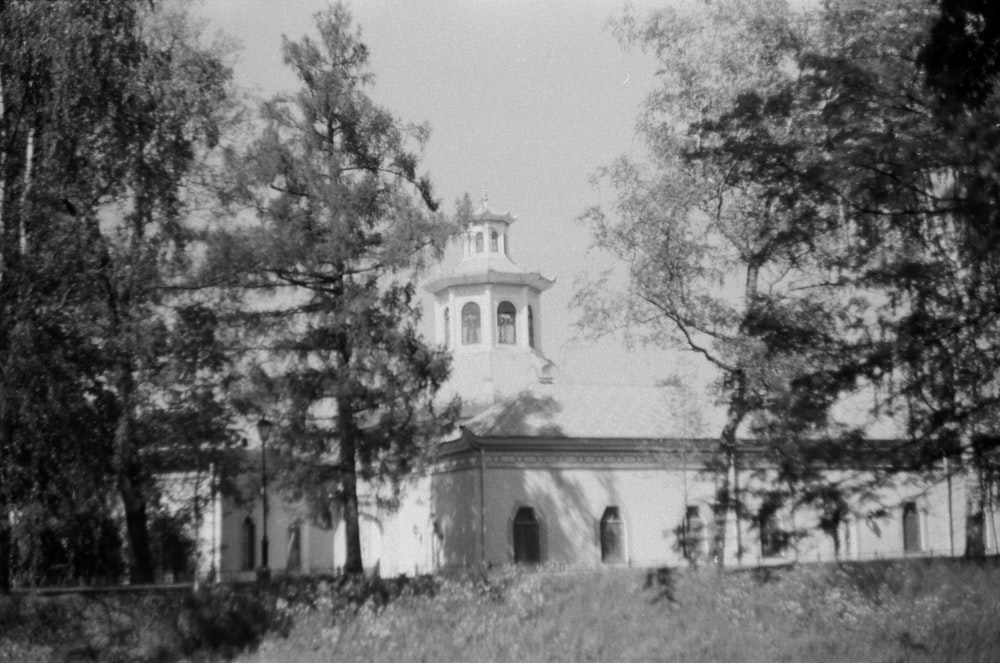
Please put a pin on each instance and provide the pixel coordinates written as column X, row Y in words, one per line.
column 226, row 620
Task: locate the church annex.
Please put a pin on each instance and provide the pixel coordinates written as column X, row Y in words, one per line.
column 543, row 472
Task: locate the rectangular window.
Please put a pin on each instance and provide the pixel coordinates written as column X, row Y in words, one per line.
column 293, row 553
column 248, row 545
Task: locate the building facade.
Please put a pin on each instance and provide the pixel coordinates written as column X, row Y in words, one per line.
column 571, row 475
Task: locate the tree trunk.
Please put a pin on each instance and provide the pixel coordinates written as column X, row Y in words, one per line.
column 349, row 489
column 975, row 543
column 721, row 516
column 130, row 486
column 727, row 494
column 5, row 537
column 5, row 553
column 141, row 569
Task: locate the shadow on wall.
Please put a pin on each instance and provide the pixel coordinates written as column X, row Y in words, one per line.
column 550, row 512
column 572, row 504
column 528, row 415
column 455, row 517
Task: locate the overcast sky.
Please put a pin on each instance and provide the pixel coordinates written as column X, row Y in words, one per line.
column 524, row 98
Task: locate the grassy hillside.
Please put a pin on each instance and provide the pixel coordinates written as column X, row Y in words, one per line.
column 892, row 611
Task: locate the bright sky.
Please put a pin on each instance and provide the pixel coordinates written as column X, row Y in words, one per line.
column 525, row 98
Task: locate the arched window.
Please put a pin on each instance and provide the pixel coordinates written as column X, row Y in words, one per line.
column 470, row 324
column 531, row 328
column 527, row 539
column 248, row 545
column 494, row 241
column 773, row 539
column 293, row 550
column 694, row 533
column 715, row 540
column 506, row 323
column 911, row 528
column 612, row 536
column 847, row 536
column 447, row 328
column 479, row 242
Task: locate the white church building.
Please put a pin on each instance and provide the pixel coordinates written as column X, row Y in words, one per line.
column 558, row 474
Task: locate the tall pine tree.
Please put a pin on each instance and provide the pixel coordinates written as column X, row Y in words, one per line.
column 344, row 223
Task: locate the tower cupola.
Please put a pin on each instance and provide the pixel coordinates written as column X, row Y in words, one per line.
column 488, row 312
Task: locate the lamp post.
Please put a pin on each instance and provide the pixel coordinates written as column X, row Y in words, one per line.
column 264, row 428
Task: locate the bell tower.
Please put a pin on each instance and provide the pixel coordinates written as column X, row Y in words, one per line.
column 488, row 313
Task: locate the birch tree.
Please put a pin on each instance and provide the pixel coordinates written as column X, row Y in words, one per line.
column 815, row 223
column 104, row 110
column 699, row 240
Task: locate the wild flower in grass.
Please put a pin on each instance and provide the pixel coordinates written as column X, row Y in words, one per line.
column 369, row 616
column 526, row 598
column 330, row 634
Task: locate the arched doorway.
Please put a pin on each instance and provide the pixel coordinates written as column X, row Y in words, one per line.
column 612, row 536
column 527, row 539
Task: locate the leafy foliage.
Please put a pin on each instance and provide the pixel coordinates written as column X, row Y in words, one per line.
column 105, row 110
column 818, row 222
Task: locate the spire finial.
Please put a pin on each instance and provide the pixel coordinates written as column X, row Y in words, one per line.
column 486, row 196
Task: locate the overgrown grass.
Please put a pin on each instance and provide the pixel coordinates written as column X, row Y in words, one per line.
column 893, row 611
column 882, row 612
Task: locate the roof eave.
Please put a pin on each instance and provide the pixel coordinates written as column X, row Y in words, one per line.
column 533, row 280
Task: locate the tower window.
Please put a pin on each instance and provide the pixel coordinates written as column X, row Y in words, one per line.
column 494, row 241
column 447, row 328
column 531, row 328
column 479, row 242
column 470, row 324
column 612, row 536
column 527, row 538
column 506, row 323
column 248, row 545
column 505, row 251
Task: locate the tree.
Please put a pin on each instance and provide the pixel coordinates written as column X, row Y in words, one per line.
column 700, row 243
column 176, row 102
column 344, row 222
column 819, row 170
column 99, row 129
column 905, row 184
column 962, row 55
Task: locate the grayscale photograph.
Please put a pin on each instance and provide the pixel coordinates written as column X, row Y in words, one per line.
column 500, row 330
